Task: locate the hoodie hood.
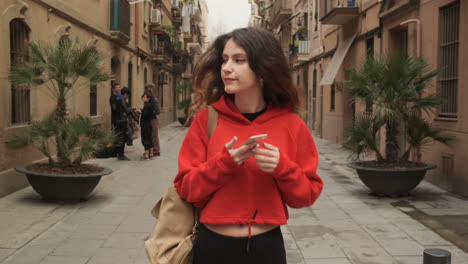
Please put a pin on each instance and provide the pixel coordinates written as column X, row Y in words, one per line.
column 226, row 107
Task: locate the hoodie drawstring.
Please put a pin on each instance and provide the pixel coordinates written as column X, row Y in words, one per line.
column 250, row 230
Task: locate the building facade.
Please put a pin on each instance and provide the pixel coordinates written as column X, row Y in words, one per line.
column 140, row 40
column 327, row 38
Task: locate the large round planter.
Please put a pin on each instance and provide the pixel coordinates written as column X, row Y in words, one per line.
column 392, row 182
column 63, row 187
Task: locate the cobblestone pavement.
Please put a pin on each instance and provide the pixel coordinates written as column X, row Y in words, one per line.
column 345, row 226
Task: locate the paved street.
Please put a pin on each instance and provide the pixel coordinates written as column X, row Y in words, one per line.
column 345, row 226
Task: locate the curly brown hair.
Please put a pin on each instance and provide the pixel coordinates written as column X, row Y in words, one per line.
column 265, row 58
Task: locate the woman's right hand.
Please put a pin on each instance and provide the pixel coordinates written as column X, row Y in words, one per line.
column 242, row 153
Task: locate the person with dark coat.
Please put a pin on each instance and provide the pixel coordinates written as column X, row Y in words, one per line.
column 119, row 111
column 154, row 122
column 147, row 114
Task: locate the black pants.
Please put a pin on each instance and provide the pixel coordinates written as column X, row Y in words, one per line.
column 211, row 247
column 121, row 129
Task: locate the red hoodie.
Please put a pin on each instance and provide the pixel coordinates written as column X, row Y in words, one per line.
column 243, row 194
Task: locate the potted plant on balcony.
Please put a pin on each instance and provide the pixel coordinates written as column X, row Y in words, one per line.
column 62, row 69
column 395, row 85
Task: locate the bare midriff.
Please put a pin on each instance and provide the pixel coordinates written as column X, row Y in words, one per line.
column 240, row 230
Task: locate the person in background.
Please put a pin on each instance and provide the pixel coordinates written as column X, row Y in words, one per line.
column 147, row 114
column 154, row 122
column 119, row 112
column 244, row 189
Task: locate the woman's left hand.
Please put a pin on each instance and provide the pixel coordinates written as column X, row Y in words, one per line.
column 267, row 158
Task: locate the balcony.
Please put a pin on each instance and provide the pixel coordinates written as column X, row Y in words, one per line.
column 161, row 46
column 338, row 12
column 300, row 52
column 176, row 13
column 194, row 48
column 279, row 12
column 196, row 15
column 120, row 21
column 176, row 17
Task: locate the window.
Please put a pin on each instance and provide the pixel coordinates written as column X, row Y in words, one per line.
column 316, row 16
column 332, row 97
column 93, row 100
column 145, row 76
column 370, row 47
column 314, row 98
column 20, row 96
column 448, row 59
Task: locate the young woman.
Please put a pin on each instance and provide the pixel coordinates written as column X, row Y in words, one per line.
column 243, row 189
column 147, row 114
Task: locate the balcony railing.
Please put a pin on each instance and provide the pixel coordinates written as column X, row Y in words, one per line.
column 161, row 46
column 338, row 12
column 302, row 48
column 120, row 20
column 279, row 12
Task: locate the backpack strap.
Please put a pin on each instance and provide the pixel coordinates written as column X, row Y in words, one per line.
column 212, row 121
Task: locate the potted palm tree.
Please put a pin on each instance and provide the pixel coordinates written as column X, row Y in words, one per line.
column 58, row 68
column 396, row 86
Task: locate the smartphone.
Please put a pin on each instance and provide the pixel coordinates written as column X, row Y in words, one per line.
column 255, row 139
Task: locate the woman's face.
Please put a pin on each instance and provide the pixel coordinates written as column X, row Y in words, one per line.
column 236, row 73
column 144, row 99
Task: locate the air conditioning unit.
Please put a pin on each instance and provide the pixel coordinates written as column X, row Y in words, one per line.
column 156, row 17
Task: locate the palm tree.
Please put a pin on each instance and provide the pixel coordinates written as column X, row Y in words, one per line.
column 62, row 68
column 395, row 85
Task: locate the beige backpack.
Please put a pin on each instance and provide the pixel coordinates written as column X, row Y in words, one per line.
column 174, row 233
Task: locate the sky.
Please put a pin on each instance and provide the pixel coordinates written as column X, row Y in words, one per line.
column 226, row 15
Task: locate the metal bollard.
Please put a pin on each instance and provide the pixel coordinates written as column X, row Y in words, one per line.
column 436, row 256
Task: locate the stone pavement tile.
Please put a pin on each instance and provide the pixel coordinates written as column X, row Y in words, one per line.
column 126, row 240
column 136, row 225
column 63, row 260
column 141, row 257
column 114, row 208
column 437, row 211
column 93, row 231
column 368, row 218
column 391, row 213
column 319, row 248
column 29, row 254
column 385, row 231
column 323, row 202
column 429, row 238
column 51, row 237
column 329, row 214
column 328, row 261
column 78, row 247
column 351, row 238
column 294, row 257
column 401, row 246
column 289, row 242
column 421, row 205
column 408, row 260
column 106, row 219
column 5, row 252
column 126, row 200
column 361, row 255
column 117, row 252
column 109, row 260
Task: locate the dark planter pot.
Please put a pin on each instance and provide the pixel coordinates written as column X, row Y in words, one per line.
column 391, row 182
column 69, row 188
column 182, row 120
